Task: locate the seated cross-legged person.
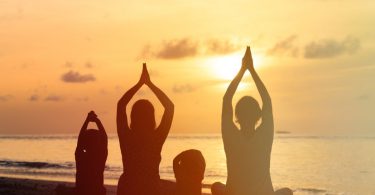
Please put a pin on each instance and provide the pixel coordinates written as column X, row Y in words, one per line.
column 248, row 148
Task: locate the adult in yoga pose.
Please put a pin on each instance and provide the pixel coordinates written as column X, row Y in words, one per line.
column 141, row 142
column 248, row 149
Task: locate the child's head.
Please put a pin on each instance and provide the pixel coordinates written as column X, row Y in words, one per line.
column 189, row 167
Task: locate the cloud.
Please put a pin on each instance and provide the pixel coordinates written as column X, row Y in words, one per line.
column 4, row 98
column 221, row 46
column 187, row 47
column 329, row 48
column 54, row 98
column 68, row 64
column 89, row 65
column 186, row 88
column 285, row 47
column 364, row 97
column 34, row 98
column 82, row 99
column 76, row 77
column 177, row 49
column 11, row 16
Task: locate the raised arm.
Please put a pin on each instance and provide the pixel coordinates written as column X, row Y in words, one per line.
column 121, row 118
column 90, row 117
column 166, row 120
column 227, row 123
column 101, row 128
column 267, row 116
column 102, row 155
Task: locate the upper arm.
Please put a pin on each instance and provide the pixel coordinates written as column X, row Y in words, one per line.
column 121, row 121
column 227, row 124
column 267, row 114
column 266, row 128
column 166, row 122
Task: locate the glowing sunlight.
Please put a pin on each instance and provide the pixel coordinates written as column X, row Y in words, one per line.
column 226, row 67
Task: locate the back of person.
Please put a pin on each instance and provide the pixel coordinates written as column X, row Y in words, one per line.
column 141, row 161
column 248, row 165
column 91, row 154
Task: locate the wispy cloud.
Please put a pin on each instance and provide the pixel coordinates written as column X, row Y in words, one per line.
column 177, row 49
column 68, row 64
column 34, row 98
column 76, row 77
column 329, row 48
column 325, row 48
column 187, row 47
column 4, row 98
column 82, row 99
column 54, row 98
column 285, row 47
column 185, row 88
column 364, row 97
column 89, row 65
column 221, row 46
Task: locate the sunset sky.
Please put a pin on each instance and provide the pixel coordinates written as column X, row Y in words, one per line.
column 60, row 59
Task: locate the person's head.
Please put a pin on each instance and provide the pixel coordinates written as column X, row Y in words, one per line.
column 189, row 167
column 247, row 111
column 142, row 116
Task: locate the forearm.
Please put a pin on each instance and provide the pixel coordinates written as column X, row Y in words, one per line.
column 260, row 86
column 83, row 128
column 234, row 85
column 99, row 124
column 125, row 99
column 163, row 98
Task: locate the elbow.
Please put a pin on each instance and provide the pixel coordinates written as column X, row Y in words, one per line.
column 120, row 104
column 169, row 106
column 227, row 97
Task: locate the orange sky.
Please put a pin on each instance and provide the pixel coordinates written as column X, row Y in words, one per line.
column 61, row 59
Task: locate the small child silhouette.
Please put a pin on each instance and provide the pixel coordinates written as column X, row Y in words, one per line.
column 189, row 168
column 91, row 155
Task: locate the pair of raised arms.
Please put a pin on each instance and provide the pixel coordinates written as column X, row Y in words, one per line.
column 227, row 112
column 166, row 121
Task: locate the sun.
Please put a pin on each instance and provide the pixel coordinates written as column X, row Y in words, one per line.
column 227, row 67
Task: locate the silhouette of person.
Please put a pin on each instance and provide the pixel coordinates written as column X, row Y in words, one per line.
column 141, row 142
column 247, row 149
column 91, row 155
column 188, row 169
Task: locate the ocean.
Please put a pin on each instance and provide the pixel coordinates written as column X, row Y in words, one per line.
column 306, row 164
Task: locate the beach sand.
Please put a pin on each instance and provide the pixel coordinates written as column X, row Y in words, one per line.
column 17, row 186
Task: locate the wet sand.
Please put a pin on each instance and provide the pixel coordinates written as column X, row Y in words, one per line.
column 17, row 186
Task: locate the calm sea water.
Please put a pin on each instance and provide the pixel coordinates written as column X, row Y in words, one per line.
column 307, row 164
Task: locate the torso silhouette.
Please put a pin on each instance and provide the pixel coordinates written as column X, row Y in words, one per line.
column 141, row 159
column 140, row 142
column 248, row 161
column 90, row 163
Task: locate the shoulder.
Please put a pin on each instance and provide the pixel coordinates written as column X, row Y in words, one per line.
column 230, row 134
column 265, row 133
